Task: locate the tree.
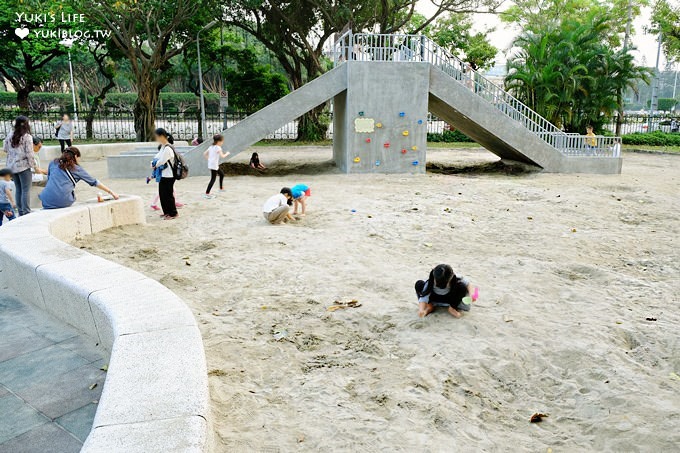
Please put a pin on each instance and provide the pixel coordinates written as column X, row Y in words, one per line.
column 24, row 60
column 150, row 34
column 298, row 31
column 569, row 73
column 453, row 32
column 666, row 17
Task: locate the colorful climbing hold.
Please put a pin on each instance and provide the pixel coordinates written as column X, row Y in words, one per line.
column 386, row 144
column 414, row 148
column 415, row 163
column 405, row 133
column 420, row 121
column 402, row 114
column 368, row 140
column 378, row 125
column 377, row 163
column 361, row 113
column 357, row 160
column 403, row 151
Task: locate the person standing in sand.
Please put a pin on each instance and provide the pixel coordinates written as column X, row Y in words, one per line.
column 213, row 155
column 443, row 288
column 166, row 159
column 277, row 209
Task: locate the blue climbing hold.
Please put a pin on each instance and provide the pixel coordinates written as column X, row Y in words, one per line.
column 354, row 210
column 402, row 114
column 420, row 121
column 361, row 113
column 377, row 163
column 415, row 163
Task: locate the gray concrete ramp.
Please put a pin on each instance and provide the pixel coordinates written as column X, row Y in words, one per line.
column 274, row 116
column 480, row 120
column 506, row 133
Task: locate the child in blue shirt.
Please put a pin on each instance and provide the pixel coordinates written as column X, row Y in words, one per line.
column 300, row 194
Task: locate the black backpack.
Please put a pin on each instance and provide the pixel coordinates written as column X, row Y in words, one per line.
column 180, row 169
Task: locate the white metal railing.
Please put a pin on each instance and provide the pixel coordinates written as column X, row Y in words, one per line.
column 402, row 47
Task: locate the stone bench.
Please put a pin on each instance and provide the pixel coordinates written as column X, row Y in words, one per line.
column 155, row 398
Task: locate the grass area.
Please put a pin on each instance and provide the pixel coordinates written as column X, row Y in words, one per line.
column 452, row 145
column 660, row 149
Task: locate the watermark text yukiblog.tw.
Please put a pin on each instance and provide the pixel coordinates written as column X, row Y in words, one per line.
column 64, row 26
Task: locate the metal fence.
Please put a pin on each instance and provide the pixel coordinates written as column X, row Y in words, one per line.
column 120, row 126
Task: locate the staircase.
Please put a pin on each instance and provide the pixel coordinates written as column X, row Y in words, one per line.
column 483, row 111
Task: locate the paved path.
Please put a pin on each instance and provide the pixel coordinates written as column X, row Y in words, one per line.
column 46, row 371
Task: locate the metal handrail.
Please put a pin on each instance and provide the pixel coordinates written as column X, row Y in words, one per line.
column 408, row 48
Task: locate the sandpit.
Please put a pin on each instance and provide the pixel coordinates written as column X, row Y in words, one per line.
column 578, row 316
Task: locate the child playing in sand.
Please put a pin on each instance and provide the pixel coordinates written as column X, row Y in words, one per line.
column 255, row 162
column 300, row 194
column 277, row 209
column 213, row 155
column 443, row 288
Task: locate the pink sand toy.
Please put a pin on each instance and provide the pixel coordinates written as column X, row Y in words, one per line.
column 475, row 295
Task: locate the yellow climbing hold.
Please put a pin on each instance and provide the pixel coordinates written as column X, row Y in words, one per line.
column 378, row 125
column 357, row 160
column 414, row 148
column 405, row 133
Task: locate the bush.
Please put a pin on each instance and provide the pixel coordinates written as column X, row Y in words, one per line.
column 448, row 137
column 656, row 138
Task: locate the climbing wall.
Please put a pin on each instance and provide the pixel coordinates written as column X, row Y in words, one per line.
column 380, row 122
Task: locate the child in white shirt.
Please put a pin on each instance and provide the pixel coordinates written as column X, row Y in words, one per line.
column 213, row 155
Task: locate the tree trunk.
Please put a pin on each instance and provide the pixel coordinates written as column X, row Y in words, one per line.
column 22, row 99
column 619, row 118
column 312, row 126
column 145, row 112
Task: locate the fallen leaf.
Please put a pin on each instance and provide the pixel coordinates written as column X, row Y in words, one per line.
column 216, row 372
column 93, row 386
column 573, row 230
column 507, row 318
column 187, row 263
column 427, row 244
column 104, row 368
column 619, row 322
column 537, row 417
column 530, row 218
column 650, row 319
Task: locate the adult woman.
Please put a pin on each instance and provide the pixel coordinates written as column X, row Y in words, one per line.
column 163, row 162
column 64, row 132
column 62, row 175
column 19, row 148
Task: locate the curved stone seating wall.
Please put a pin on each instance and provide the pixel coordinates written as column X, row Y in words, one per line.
column 155, row 398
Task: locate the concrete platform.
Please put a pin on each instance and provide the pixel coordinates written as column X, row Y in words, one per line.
column 46, row 371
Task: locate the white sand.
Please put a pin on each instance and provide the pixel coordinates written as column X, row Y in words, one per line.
column 569, row 268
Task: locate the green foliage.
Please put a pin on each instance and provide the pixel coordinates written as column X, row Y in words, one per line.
column 453, row 32
column 150, row 34
column 570, row 73
column 537, row 15
column 24, row 62
column 39, row 101
column 656, row 138
column 666, row 17
column 454, row 136
column 665, row 104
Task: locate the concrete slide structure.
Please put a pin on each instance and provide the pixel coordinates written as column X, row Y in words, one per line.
column 155, row 396
column 383, row 87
